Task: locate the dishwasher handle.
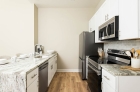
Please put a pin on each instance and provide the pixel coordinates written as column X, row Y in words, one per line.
column 43, row 66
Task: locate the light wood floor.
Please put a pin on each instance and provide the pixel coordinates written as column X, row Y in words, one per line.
column 67, row 82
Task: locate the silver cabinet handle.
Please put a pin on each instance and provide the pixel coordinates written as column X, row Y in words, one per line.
column 106, row 77
column 33, row 76
column 51, row 66
column 107, row 16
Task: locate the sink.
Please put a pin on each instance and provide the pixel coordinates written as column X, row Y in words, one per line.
column 37, row 56
column 45, row 56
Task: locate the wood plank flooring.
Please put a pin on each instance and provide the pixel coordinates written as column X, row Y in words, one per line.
column 67, row 82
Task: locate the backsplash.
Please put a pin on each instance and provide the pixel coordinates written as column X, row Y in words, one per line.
column 125, row 45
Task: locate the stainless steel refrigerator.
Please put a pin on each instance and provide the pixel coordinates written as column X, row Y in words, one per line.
column 87, row 47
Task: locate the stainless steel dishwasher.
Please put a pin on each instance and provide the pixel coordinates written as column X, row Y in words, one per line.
column 43, row 77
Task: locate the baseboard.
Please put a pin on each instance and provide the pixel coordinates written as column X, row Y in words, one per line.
column 67, row 70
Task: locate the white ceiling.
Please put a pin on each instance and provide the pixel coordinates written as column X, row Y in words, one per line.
column 65, row 3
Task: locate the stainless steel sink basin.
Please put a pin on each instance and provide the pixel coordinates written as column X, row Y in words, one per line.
column 37, row 56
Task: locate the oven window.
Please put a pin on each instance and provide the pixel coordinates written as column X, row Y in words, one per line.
column 94, row 81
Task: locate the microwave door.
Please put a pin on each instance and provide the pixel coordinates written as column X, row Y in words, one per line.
column 105, row 34
column 111, row 31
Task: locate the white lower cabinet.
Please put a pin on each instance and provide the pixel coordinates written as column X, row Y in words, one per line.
column 32, row 81
column 52, row 67
column 112, row 83
column 33, row 87
column 106, row 87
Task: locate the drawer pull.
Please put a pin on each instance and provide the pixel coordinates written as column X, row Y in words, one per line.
column 51, row 66
column 106, row 77
column 33, row 76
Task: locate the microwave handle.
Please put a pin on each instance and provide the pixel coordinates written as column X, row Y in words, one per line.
column 106, row 30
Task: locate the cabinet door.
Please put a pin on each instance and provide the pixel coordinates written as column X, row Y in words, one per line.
column 105, row 11
column 50, row 72
column 106, row 87
column 97, row 24
column 33, row 87
column 113, row 8
column 128, row 19
column 97, row 16
column 55, row 65
column 92, row 24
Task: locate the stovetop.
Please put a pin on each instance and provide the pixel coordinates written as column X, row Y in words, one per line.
column 97, row 61
column 114, row 57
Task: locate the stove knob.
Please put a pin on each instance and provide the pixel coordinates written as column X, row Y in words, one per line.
column 108, row 50
column 122, row 52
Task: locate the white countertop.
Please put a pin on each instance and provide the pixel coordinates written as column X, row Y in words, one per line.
column 13, row 75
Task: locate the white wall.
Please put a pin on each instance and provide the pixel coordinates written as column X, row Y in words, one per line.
column 99, row 5
column 59, row 29
column 35, row 25
column 16, row 27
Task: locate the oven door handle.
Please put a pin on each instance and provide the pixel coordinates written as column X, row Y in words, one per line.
column 95, row 70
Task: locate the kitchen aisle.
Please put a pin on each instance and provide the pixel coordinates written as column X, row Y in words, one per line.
column 67, row 82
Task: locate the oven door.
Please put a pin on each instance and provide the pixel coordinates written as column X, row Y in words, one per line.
column 94, row 79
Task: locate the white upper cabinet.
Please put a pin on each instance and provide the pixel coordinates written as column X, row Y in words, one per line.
column 104, row 9
column 92, row 24
column 128, row 12
column 114, row 8
column 109, row 9
column 90, row 29
column 128, row 19
column 97, row 24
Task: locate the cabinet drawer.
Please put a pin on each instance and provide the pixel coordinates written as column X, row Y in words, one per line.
column 33, row 87
column 106, row 87
column 32, row 76
column 108, row 78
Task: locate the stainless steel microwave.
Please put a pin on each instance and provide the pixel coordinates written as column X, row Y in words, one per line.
column 109, row 30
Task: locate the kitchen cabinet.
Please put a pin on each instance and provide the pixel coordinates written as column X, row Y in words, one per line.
column 52, row 68
column 92, row 24
column 97, row 16
column 109, row 9
column 32, row 81
column 112, row 83
column 129, row 19
column 33, row 87
column 113, row 8
column 106, row 87
column 104, row 9
column 97, row 24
